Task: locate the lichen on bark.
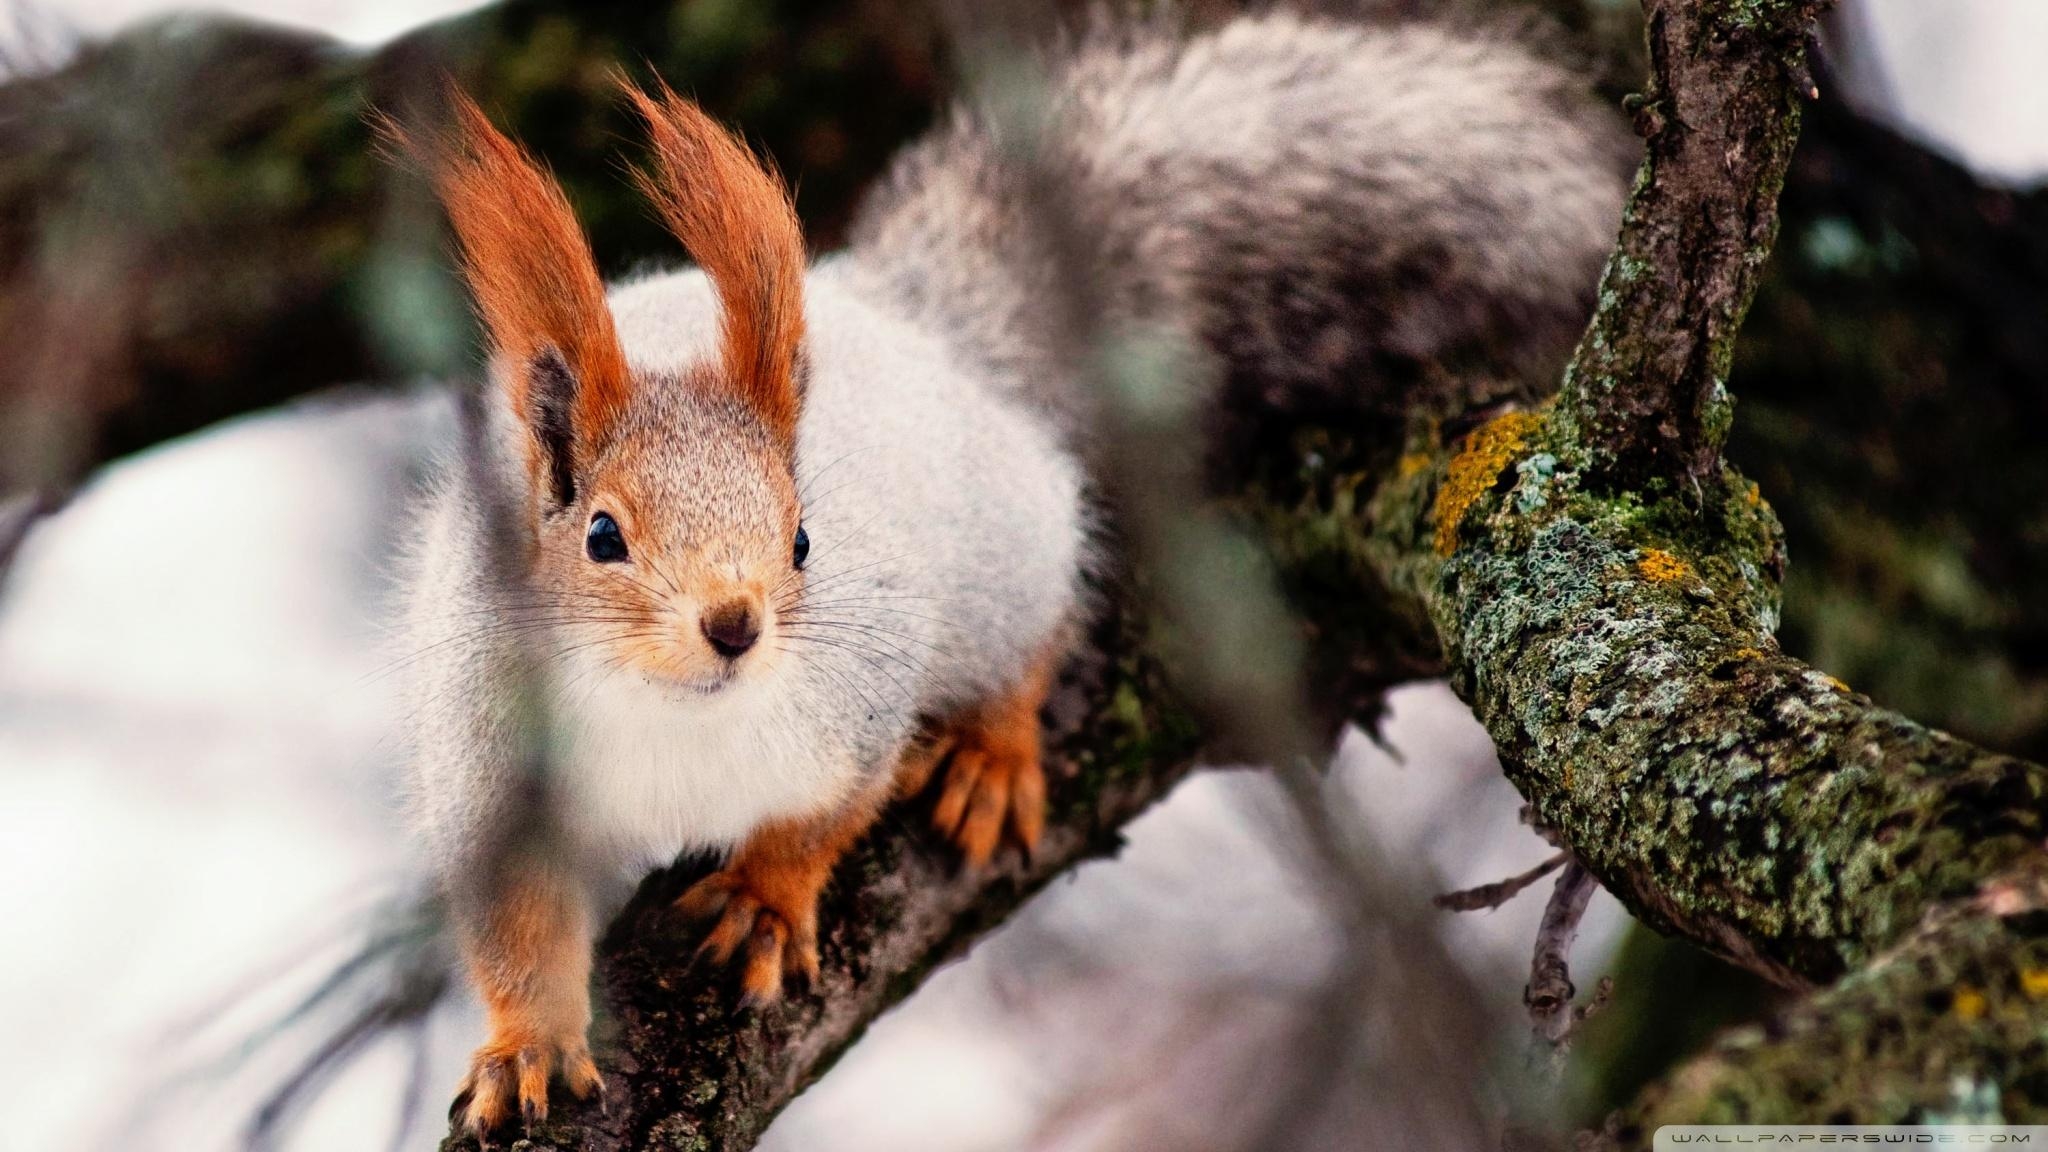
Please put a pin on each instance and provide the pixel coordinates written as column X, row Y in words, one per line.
column 1945, row 1028
column 1645, row 398
column 1727, row 792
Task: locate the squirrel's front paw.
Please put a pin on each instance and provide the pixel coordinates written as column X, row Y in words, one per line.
column 502, row 1073
column 993, row 780
column 769, row 911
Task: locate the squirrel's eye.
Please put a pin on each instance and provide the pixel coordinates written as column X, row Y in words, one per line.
column 802, row 549
column 604, row 542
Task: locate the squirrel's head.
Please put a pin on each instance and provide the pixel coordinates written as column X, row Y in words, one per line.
column 665, row 527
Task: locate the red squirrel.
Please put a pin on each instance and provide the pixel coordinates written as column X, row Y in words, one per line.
column 779, row 540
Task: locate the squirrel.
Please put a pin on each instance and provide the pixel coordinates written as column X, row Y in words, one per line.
column 769, row 542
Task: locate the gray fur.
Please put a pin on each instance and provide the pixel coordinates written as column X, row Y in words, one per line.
column 947, row 529
column 1330, row 208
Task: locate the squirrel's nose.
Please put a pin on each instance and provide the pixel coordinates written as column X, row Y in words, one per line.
column 732, row 627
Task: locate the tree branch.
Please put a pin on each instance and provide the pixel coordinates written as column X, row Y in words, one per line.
column 1487, row 897
column 1944, row 1027
column 1550, row 991
column 1605, row 591
column 1646, row 395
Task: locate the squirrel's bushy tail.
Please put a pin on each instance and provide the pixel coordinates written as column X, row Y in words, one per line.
column 1331, row 209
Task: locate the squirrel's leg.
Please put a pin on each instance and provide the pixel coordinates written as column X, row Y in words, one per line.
column 528, row 952
column 994, row 778
column 765, row 899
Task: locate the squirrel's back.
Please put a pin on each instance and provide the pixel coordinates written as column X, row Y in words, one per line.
column 1331, row 209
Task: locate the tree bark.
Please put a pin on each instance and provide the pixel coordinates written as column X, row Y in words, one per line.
column 1647, row 393
column 1944, row 1026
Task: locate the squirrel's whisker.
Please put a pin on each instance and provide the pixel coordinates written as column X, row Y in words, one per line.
column 865, row 629
column 804, row 489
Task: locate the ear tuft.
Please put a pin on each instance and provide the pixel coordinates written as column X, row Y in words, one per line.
column 536, row 285
column 734, row 215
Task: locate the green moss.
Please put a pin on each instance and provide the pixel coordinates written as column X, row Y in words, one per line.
column 1619, row 649
column 677, row 1133
column 1142, row 724
column 1945, row 1029
column 1772, row 17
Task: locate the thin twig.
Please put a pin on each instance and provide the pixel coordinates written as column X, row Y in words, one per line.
column 1550, row 991
column 1487, row 897
column 1530, row 1123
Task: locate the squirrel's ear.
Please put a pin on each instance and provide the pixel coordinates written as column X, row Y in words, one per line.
column 734, row 215
column 554, row 352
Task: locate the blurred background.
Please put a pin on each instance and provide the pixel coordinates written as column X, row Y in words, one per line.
column 222, row 324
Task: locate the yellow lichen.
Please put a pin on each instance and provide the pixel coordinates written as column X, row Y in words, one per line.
column 1491, row 447
column 2034, row 982
column 1755, row 494
column 1749, row 654
column 1837, row 684
column 1661, row 567
column 1970, row 1003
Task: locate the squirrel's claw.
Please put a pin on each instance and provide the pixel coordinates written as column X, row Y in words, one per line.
column 771, row 941
column 502, row 1077
column 484, row 1102
column 994, row 782
column 995, row 777
column 761, row 979
column 736, row 912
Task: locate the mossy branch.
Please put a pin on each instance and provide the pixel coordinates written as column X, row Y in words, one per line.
column 1646, row 395
column 1944, row 1027
column 1605, row 591
column 1620, row 651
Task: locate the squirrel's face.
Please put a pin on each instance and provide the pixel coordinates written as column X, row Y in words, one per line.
column 683, row 547
column 668, row 536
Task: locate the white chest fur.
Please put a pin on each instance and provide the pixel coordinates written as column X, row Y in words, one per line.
column 647, row 772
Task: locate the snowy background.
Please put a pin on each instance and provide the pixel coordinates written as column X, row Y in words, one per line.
column 195, row 744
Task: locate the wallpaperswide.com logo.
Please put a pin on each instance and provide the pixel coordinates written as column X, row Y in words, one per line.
column 1706, row 1137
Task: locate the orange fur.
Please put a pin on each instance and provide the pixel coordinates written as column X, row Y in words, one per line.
column 529, row 959
column 915, row 767
column 995, row 778
column 527, row 262
column 735, row 217
column 765, row 900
